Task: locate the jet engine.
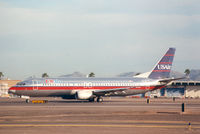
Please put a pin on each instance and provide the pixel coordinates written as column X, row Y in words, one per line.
column 84, row 95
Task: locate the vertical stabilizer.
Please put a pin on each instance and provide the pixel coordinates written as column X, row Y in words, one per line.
column 163, row 67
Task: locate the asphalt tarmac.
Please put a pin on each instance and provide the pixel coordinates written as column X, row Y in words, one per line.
column 113, row 116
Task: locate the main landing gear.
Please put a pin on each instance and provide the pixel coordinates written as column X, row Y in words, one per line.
column 99, row 99
column 91, row 99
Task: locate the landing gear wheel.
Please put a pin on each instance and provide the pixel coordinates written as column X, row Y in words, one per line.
column 27, row 100
column 99, row 99
column 91, row 99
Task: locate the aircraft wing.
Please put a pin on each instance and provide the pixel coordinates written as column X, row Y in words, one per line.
column 171, row 79
column 107, row 91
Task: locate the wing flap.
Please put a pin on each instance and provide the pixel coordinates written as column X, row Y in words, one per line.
column 107, row 91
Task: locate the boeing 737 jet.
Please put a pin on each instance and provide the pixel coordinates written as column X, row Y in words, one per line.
column 95, row 88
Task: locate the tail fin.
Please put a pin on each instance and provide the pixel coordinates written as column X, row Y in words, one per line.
column 163, row 67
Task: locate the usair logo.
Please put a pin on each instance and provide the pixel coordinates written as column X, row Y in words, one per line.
column 164, row 67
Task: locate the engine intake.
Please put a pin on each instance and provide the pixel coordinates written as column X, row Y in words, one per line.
column 84, row 95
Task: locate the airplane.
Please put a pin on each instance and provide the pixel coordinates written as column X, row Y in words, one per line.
column 94, row 89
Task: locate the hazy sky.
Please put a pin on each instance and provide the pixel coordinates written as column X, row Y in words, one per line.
column 107, row 37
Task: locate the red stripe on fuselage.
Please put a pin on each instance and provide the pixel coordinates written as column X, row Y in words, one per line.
column 81, row 88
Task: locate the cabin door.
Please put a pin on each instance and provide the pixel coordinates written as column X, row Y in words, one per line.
column 35, row 84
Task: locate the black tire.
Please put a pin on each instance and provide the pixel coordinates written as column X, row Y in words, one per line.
column 27, row 100
column 99, row 99
column 91, row 99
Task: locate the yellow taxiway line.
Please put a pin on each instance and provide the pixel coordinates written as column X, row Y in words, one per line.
column 96, row 125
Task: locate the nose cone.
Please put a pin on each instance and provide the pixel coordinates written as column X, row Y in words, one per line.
column 11, row 90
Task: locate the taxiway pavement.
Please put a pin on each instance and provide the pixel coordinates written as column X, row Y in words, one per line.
column 113, row 116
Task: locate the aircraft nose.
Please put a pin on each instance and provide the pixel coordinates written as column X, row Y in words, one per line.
column 11, row 90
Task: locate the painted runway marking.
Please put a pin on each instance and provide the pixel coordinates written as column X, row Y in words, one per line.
column 98, row 125
column 104, row 121
column 112, row 123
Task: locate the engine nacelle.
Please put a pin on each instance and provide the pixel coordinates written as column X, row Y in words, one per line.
column 84, row 95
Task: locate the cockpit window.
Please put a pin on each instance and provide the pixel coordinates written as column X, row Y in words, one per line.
column 21, row 83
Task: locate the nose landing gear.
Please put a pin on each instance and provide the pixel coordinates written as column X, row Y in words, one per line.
column 91, row 99
column 27, row 100
column 99, row 99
